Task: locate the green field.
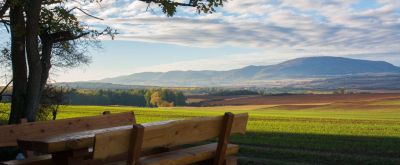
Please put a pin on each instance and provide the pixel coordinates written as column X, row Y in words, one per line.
column 340, row 133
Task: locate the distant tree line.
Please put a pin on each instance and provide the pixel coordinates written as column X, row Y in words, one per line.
column 233, row 92
column 132, row 97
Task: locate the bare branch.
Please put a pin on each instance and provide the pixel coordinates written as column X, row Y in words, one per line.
column 3, row 10
column 6, row 24
column 5, row 88
column 83, row 11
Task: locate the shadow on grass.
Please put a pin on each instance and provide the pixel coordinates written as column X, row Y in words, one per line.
column 318, row 148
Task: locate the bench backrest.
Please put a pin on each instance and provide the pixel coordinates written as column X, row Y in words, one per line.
column 10, row 133
column 166, row 134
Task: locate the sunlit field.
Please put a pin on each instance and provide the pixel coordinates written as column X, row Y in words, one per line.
column 338, row 133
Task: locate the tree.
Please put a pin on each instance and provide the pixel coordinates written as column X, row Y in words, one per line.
column 35, row 37
column 180, row 99
column 52, row 98
column 40, row 29
column 158, row 100
column 147, row 97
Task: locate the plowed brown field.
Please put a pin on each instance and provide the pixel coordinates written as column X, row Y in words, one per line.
column 206, row 100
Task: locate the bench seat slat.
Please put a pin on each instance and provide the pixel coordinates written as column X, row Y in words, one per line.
column 184, row 156
column 187, row 155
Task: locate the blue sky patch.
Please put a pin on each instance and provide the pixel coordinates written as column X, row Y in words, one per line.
column 366, row 4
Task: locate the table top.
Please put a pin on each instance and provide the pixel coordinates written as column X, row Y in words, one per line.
column 71, row 141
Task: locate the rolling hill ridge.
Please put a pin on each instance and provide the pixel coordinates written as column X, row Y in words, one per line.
column 323, row 67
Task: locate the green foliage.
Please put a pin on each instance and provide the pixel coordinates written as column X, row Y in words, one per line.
column 59, row 19
column 4, row 112
column 141, row 98
column 202, row 6
column 179, row 98
column 168, row 7
column 51, row 101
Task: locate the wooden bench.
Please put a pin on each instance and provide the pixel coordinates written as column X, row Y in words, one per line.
column 127, row 145
column 132, row 143
column 10, row 133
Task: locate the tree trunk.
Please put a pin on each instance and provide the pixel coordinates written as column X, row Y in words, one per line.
column 18, row 59
column 47, row 46
column 35, row 67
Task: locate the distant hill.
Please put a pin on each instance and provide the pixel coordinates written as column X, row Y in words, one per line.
column 300, row 68
column 326, row 66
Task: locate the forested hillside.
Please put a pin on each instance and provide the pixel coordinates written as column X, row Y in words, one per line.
column 297, row 69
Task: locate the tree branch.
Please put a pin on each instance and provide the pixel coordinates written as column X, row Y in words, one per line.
column 192, row 3
column 83, row 11
column 6, row 24
column 65, row 36
column 4, row 89
column 50, row 2
column 4, row 9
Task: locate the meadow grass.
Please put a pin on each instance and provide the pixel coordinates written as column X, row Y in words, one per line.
column 351, row 133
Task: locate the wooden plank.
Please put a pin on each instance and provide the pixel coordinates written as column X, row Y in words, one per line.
column 71, row 141
column 135, row 144
column 189, row 131
column 107, row 148
column 160, row 134
column 187, row 155
column 231, row 160
column 10, row 133
column 223, row 139
column 170, row 134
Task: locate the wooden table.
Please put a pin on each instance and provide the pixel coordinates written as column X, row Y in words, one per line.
column 66, row 146
column 165, row 134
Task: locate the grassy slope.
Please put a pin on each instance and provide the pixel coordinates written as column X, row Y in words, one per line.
column 345, row 133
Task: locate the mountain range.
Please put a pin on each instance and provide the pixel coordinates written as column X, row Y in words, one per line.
column 315, row 70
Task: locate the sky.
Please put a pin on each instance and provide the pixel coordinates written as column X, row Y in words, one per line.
column 243, row 32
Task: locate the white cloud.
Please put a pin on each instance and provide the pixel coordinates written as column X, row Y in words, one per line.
column 286, row 24
column 282, row 29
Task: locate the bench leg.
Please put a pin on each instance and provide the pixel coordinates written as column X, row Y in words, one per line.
column 69, row 157
column 29, row 154
column 61, row 158
column 231, row 160
column 205, row 162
